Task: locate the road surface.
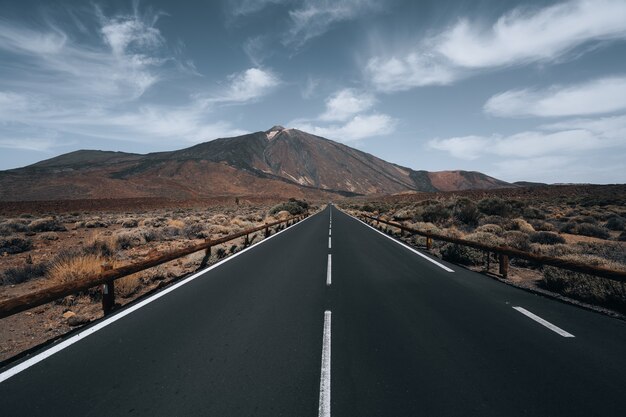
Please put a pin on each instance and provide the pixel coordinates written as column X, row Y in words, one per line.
column 331, row 319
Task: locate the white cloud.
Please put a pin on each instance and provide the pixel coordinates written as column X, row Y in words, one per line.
column 599, row 96
column 308, row 90
column 411, row 70
column 30, row 41
column 125, row 66
column 248, row 85
column 345, row 118
column 525, row 35
column 346, row 103
column 28, row 144
column 314, row 18
column 246, row 7
column 358, row 127
column 583, row 150
column 522, row 36
column 568, row 138
column 81, row 85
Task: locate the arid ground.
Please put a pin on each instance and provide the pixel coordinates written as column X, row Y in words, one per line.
column 48, row 243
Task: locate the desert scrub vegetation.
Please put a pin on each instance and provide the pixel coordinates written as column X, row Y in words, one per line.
column 585, row 287
column 48, row 224
column 18, row 275
column 13, row 244
column 587, row 225
column 293, row 207
column 9, row 227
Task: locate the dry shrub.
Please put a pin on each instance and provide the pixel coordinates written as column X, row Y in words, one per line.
column 179, row 224
column 616, row 223
column 533, row 213
column 495, row 207
column 9, row 227
column 466, row 212
column 585, row 287
column 241, row 223
column 73, row 266
column 14, row 244
column 24, row 273
column 47, row 224
column 517, row 240
column 153, row 222
column 612, row 251
column 425, row 227
column 151, row 235
column 128, row 286
column 220, row 219
column 460, row 254
column 130, row 223
column 485, row 238
column 490, row 228
column 49, row 236
column 435, row 213
column 522, row 225
column 95, row 223
column 194, row 231
column 503, row 222
column 554, row 251
column 593, row 230
column 546, row 238
column 127, row 240
column 101, row 245
column 404, row 214
column 220, row 230
column 543, row 226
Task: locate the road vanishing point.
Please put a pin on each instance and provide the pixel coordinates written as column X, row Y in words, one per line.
column 330, row 317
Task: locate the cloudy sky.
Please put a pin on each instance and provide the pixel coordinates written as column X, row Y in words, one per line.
column 530, row 90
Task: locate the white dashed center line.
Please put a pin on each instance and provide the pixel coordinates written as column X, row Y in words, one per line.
column 328, row 270
column 324, row 408
column 544, row 322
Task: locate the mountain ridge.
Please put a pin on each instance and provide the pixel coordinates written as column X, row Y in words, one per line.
column 279, row 161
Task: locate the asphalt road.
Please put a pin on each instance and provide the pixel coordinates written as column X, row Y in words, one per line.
column 255, row 337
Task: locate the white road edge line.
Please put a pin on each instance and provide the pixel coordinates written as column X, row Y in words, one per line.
column 543, row 322
column 440, row 265
column 324, row 408
column 91, row 330
column 329, row 280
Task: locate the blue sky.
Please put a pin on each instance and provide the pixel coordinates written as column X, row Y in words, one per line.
column 519, row 90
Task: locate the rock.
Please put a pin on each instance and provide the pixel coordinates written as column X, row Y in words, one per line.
column 78, row 320
column 68, row 314
column 283, row 215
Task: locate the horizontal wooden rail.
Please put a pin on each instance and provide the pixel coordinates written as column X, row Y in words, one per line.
column 107, row 277
column 505, row 251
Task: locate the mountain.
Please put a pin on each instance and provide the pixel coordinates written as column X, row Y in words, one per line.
column 277, row 162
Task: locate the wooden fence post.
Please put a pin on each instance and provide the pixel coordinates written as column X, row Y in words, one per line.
column 246, row 241
column 267, row 230
column 429, row 243
column 504, row 265
column 108, row 291
column 207, row 256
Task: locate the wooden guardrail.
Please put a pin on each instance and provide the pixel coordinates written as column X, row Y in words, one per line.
column 108, row 275
column 506, row 252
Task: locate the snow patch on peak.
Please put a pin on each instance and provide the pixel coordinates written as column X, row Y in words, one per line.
column 274, row 131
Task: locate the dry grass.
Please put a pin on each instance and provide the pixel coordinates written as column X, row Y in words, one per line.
column 179, row 224
column 72, row 267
